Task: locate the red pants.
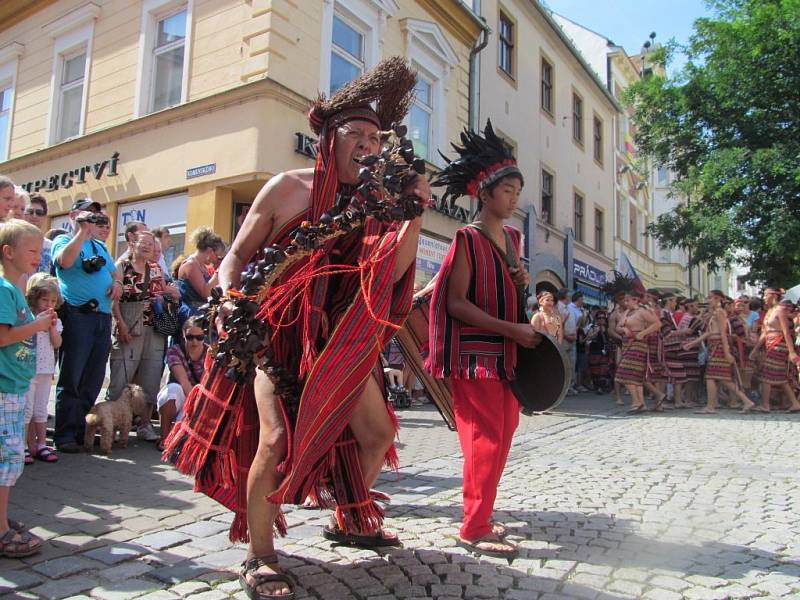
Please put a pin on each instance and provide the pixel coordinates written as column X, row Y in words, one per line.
column 487, row 414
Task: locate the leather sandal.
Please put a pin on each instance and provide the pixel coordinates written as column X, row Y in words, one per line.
column 375, row 540
column 251, row 565
column 19, row 544
column 475, row 547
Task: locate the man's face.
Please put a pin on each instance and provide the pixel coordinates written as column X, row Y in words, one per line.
column 35, row 213
column 166, row 240
column 103, row 228
column 504, row 197
column 354, row 140
column 132, row 235
column 7, row 197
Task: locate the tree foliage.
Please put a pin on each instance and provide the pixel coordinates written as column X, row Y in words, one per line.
column 727, row 126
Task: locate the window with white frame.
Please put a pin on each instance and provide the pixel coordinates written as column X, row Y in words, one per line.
column 70, row 94
column 420, row 118
column 432, row 56
column 164, row 51
column 169, row 53
column 347, row 53
column 72, row 47
column 6, row 93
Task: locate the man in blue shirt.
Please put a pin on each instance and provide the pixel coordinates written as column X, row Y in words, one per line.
column 89, row 284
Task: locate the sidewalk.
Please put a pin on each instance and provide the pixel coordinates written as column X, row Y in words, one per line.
column 602, row 505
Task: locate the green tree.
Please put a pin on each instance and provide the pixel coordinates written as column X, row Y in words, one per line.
column 727, row 126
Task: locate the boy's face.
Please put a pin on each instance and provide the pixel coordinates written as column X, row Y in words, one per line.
column 7, row 198
column 504, row 197
column 27, row 254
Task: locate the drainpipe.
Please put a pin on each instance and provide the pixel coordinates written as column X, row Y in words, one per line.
column 474, row 116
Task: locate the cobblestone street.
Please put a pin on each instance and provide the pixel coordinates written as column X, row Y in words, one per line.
column 603, row 505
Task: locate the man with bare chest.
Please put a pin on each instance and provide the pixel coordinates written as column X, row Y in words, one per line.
column 613, row 322
column 314, row 420
column 634, row 326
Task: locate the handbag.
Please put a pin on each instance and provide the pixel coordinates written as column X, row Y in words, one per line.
column 165, row 321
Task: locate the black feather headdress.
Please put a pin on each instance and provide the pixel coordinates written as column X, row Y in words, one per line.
column 482, row 160
column 621, row 284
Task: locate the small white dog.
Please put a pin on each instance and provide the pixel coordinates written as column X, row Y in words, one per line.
column 115, row 415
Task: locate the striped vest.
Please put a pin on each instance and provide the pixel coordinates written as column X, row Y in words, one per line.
column 459, row 350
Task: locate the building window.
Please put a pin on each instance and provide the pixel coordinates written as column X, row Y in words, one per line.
column 599, row 227
column 597, row 130
column 547, row 197
column 578, row 217
column 547, row 86
column 347, row 53
column 663, row 176
column 506, row 45
column 70, row 95
column 432, row 56
column 420, row 118
column 168, row 58
column 6, row 92
column 633, row 225
column 577, row 118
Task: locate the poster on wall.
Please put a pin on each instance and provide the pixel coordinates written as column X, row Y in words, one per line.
column 61, row 222
column 430, row 255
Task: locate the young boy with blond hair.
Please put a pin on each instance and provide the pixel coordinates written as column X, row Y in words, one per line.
column 20, row 251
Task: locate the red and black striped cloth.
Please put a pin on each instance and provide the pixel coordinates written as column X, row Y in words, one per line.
column 462, row 351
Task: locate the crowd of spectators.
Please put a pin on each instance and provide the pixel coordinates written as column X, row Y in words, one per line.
column 72, row 314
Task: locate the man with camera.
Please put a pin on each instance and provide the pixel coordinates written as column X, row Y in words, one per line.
column 89, row 284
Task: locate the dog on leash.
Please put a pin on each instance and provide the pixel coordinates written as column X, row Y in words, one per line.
column 115, row 415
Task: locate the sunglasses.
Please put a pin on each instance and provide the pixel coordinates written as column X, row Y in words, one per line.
column 196, row 338
column 39, row 212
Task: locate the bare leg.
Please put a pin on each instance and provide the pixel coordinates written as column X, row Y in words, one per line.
column 618, row 393
column 654, row 389
column 263, row 480
column 712, row 391
column 735, row 392
column 373, row 429
column 766, row 390
column 794, row 405
column 30, row 438
column 678, row 397
column 166, row 415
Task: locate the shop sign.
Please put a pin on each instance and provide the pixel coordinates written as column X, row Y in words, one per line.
column 167, row 210
column 305, row 145
column 430, row 254
column 201, row 171
column 588, row 273
column 79, row 174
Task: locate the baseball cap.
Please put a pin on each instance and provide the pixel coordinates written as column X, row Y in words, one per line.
column 86, row 204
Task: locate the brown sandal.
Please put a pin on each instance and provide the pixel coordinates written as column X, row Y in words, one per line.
column 19, row 544
column 255, row 563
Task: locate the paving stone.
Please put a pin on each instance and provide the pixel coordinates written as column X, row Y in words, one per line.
column 18, row 580
column 702, row 593
column 123, row 590
column 112, row 555
column 190, row 587
column 709, row 582
column 68, row 565
column 670, row 583
column 63, row 588
column 132, row 568
column 162, row 539
column 183, row 571
column 160, row 595
column 662, row 595
column 209, row 595
column 200, row 529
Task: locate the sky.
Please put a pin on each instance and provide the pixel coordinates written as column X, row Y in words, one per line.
column 628, row 23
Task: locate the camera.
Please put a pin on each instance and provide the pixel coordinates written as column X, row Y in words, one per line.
column 93, row 264
column 93, row 218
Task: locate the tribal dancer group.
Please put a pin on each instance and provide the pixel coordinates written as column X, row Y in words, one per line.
column 292, row 404
column 736, row 347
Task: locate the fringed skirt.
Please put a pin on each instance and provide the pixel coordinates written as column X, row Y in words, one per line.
column 656, row 370
column 676, row 369
column 775, row 368
column 690, row 361
column 717, row 367
column 633, row 365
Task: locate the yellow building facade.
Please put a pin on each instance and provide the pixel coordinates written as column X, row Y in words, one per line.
column 176, row 112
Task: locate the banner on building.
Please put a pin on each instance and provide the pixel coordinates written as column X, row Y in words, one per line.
column 430, row 254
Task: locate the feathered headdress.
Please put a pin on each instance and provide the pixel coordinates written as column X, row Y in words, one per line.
column 482, row 160
column 390, row 85
column 621, row 284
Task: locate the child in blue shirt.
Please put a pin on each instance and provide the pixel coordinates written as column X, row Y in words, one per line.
column 20, row 252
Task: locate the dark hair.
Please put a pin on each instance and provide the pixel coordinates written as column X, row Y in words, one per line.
column 204, row 238
column 489, row 189
column 755, row 304
column 194, row 321
column 38, row 199
column 718, row 294
column 160, row 231
column 577, row 296
column 133, row 227
column 54, row 233
column 562, row 294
